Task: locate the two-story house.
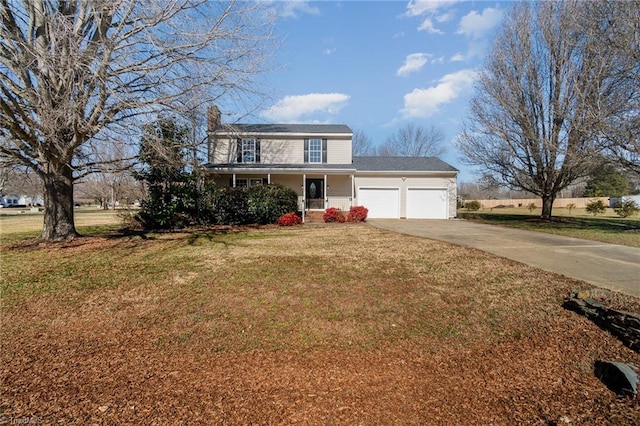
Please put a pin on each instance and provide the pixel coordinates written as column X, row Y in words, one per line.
column 316, row 161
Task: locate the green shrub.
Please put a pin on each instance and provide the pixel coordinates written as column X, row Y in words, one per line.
column 571, row 207
column 268, row 202
column 231, row 206
column 627, row 208
column 532, row 207
column 472, row 205
column 168, row 204
column 205, row 203
column 596, row 207
column 183, row 201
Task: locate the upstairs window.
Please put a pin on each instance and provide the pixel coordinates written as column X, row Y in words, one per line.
column 248, row 150
column 315, row 151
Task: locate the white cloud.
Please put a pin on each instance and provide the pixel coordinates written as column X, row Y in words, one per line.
column 430, row 9
column 291, row 9
column 427, row 25
column 426, row 102
column 413, row 63
column 422, row 7
column 329, row 51
column 293, row 109
column 458, row 57
column 445, row 17
column 475, row 25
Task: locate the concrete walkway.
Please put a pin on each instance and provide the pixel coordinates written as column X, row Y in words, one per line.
column 604, row 265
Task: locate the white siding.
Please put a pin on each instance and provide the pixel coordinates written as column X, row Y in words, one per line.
column 339, row 185
column 280, row 151
column 339, row 151
column 221, row 152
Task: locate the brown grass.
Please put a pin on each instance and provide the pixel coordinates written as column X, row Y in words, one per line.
column 343, row 324
column 607, row 228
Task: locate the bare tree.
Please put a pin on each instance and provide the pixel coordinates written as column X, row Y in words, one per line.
column 20, row 180
column 615, row 26
column 112, row 174
column 361, row 143
column 75, row 73
column 541, row 100
column 414, row 141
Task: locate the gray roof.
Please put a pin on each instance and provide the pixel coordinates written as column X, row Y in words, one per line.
column 401, row 164
column 360, row 164
column 266, row 166
column 285, row 128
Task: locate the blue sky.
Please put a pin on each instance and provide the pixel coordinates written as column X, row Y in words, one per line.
column 377, row 65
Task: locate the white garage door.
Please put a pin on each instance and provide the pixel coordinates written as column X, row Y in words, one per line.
column 426, row 203
column 381, row 202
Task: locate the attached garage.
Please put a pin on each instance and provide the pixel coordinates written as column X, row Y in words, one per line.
column 383, row 203
column 427, row 203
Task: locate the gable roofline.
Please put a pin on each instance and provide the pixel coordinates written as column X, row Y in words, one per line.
column 283, row 129
column 360, row 165
column 401, row 164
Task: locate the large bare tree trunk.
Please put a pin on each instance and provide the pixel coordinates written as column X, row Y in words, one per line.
column 58, row 206
column 547, row 206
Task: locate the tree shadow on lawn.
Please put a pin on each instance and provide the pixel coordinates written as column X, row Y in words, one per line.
column 90, row 236
column 526, row 221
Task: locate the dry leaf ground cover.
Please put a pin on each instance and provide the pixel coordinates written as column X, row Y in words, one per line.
column 344, row 324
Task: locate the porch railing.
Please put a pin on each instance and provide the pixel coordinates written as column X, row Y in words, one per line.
column 342, row 203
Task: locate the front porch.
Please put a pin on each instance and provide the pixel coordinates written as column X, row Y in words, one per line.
column 316, row 191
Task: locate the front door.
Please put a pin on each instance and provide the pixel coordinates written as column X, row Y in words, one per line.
column 315, row 194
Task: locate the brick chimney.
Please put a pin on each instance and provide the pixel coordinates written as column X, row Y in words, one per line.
column 213, row 118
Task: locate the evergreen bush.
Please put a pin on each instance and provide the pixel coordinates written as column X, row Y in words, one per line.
column 231, row 206
column 627, row 208
column 472, row 205
column 596, row 207
column 268, row 202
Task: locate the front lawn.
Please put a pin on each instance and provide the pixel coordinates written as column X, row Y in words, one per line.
column 340, row 324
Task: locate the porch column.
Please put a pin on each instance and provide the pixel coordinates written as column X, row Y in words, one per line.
column 234, row 180
column 304, row 194
column 353, row 188
column 326, row 196
column 269, row 178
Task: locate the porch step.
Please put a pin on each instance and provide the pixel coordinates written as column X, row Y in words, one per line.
column 313, row 217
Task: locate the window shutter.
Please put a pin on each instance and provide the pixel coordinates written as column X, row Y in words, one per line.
column 306, row 150
column 239, row 150
column 257, row 158
column 265, row 181
column 324, row 151
column 230, row 182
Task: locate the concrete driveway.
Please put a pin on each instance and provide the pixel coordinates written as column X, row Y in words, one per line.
column 603, row 265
